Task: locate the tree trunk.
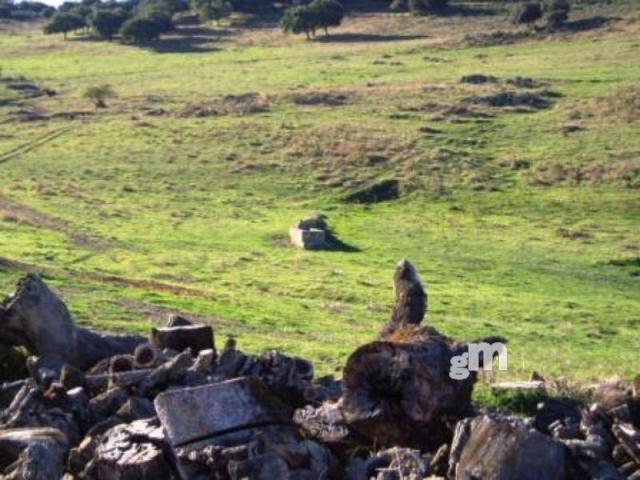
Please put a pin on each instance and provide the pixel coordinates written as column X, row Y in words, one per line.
column 399, row 393
column 37, row 319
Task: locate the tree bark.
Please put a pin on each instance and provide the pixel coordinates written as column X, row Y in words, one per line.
column 399, row 393
column 34, row 317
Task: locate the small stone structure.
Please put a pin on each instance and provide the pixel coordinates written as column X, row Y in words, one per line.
column 310, row 233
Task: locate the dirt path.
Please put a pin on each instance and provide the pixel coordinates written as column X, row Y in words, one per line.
column 34, row 218
column 148, row 285
column 27, row 147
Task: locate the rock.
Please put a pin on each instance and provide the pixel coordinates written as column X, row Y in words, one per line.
column 195, row 337
column 194, row 414
column 502, row 448
column 309, row 239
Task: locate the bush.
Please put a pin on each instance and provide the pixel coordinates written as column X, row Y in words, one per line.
column 307, row 18
column 99, row 94
column 64, row 23
column 212, row 9
column 328, row 13
column 140, row 30
column 398, row 5
column 298, row 19
column 108, row 22
column 556, row 12
column 526, row 13
column 556, row 18
column 5, row 9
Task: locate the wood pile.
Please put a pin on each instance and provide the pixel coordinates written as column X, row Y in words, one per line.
column 174, row 407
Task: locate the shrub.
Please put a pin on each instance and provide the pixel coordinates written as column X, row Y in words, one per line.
column 64, row 23
column 108, row 22
column 556, row 12
column 212, row 9
column 140, row 30
column 163, row 21
column 99, row 94
column 5, row 9
column 556, row 18
column 328, row 13
column 526, row 13
column 307, row 18
column 298, row 19
column 398, row 5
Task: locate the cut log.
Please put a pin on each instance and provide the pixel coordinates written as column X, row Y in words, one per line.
column 166, row 373
column 504, row 449
column 32, row 454
column 146, row 355
column 194, row 414
column 131, row 452
column 37, row 319
column 195, row 337
column 402, row 394
column 411, row 299
column 176, row 320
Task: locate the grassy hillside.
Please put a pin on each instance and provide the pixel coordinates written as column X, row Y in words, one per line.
column 523, row 219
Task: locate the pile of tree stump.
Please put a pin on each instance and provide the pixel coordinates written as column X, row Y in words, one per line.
column 172, row 406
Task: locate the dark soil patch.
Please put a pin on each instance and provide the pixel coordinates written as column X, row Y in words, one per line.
column 380, row 191
column 525, row 82
column 24, row 89
column 478, row 79
column 534, row 100
column 245, row 104
column 330, row 99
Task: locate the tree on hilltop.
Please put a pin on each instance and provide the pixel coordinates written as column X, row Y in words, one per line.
column 64, row 23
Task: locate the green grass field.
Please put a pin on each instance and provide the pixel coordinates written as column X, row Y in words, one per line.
column 523, row 224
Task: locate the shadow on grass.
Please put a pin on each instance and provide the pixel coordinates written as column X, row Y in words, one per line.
column 365, row 37
column 189, row 39
column 334, row 244
column 590, row 23
column 461, row 10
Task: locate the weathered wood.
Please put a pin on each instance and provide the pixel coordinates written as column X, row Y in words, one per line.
column 132, row 452
column 504, row 449
column 401, row 393
column 37, row 319
column 146, row 355
column 411, row 299
column 194, row 414
column 176, row 320
column 166, row 373
column 32, row 453
column 195, row 337
column 121, row 363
